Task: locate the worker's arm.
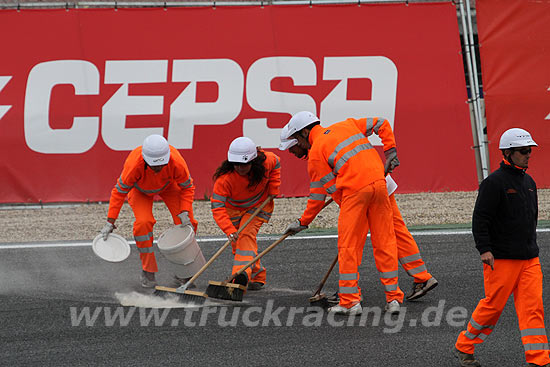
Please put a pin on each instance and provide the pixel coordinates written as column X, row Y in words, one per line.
column 323, row 181
column 184, row 181
column 485, row 209
column 382, row 128
column 218, row 206
column 122, row 187
column 274, row 181
column 129, row 176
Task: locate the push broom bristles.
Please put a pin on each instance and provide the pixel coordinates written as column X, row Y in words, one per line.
column 191, row 297
column 223, row 290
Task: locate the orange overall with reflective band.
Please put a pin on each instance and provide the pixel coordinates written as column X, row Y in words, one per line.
column 232, row 204
column 523, row 279
column 407, row 249
column 343, row 163
column 140, row 183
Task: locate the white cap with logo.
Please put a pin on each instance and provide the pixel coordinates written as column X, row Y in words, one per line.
column 516, row 138
column 301, row 120
column 242, row 150
column 155, row 150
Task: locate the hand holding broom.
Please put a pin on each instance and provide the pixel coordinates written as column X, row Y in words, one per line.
column 235, row 292
column 184, row 287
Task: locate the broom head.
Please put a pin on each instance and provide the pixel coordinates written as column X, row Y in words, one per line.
column 192, row 297
column 223, row 290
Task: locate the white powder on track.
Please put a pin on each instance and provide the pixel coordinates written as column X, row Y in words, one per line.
column 136, row 299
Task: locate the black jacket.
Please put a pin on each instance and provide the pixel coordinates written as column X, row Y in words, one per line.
column 505, row 215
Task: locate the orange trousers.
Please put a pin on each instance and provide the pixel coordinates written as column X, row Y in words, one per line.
column 142, row 206
column 246, row 247
column 523, row 278
column 368, row 207
column 407, row 249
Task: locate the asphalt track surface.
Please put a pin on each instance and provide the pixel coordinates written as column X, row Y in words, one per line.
column 45, row 292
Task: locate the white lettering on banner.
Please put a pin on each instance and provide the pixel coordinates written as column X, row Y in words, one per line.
column 185, row 112
column 383, row 74
column 113, row 128
column 260, row 97
column 43, row 77
column 3, row 82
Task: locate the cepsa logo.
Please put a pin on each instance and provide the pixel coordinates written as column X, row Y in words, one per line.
column 185, row 111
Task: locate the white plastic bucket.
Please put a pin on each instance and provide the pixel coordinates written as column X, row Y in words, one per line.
column 178, row 245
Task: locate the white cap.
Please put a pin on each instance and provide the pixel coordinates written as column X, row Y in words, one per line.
column 155, row 150
column 242, row 150
column 516, row 138
column 286, row 142
column 299, row 121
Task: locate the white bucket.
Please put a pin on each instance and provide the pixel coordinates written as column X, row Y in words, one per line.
column 178, row 245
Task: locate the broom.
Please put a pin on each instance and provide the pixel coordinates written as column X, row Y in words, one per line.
column 235, row 291
column 196, row 297
column 320, row 299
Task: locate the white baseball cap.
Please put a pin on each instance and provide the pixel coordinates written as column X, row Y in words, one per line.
column 155, row 150
column 242, row 150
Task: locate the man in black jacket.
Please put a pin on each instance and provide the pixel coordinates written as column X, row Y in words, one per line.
column 504, row 227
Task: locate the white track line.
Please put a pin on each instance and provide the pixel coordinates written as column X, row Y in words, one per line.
column 12, row 246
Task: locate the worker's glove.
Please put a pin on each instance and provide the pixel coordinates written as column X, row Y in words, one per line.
column 391, row 160
column 106, row 230
column 184, row 216
column 233, row 237
column 294, row 228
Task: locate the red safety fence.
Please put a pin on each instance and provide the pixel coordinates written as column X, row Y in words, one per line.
column 515, row 58
column 81, row 88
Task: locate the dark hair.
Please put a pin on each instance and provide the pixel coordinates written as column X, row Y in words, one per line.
column 308, row 127
column 256, row 174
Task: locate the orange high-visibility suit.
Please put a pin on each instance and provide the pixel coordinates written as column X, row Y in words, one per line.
column 343, row 163
column 232, row 204
column 408, row 253
column 137, row 181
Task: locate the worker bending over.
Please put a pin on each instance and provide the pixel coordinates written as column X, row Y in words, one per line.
column 242, row 183
column 343, row 163
column 155, row 168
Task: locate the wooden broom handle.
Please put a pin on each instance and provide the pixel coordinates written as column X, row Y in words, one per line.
column 218, row 253
column 269, row 248
column 321, row 285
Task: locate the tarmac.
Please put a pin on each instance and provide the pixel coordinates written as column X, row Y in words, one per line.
column 62, row 306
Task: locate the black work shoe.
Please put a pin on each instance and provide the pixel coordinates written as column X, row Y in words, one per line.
column 255, row 286
column 420, row 289
column 538, row 365
column 241, row 279
column 334, row 299
column 178, row 282
column 148, row 279
column 465, row 359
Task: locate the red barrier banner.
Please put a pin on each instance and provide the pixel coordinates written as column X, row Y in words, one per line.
column 81, row 88
column 515, row 58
